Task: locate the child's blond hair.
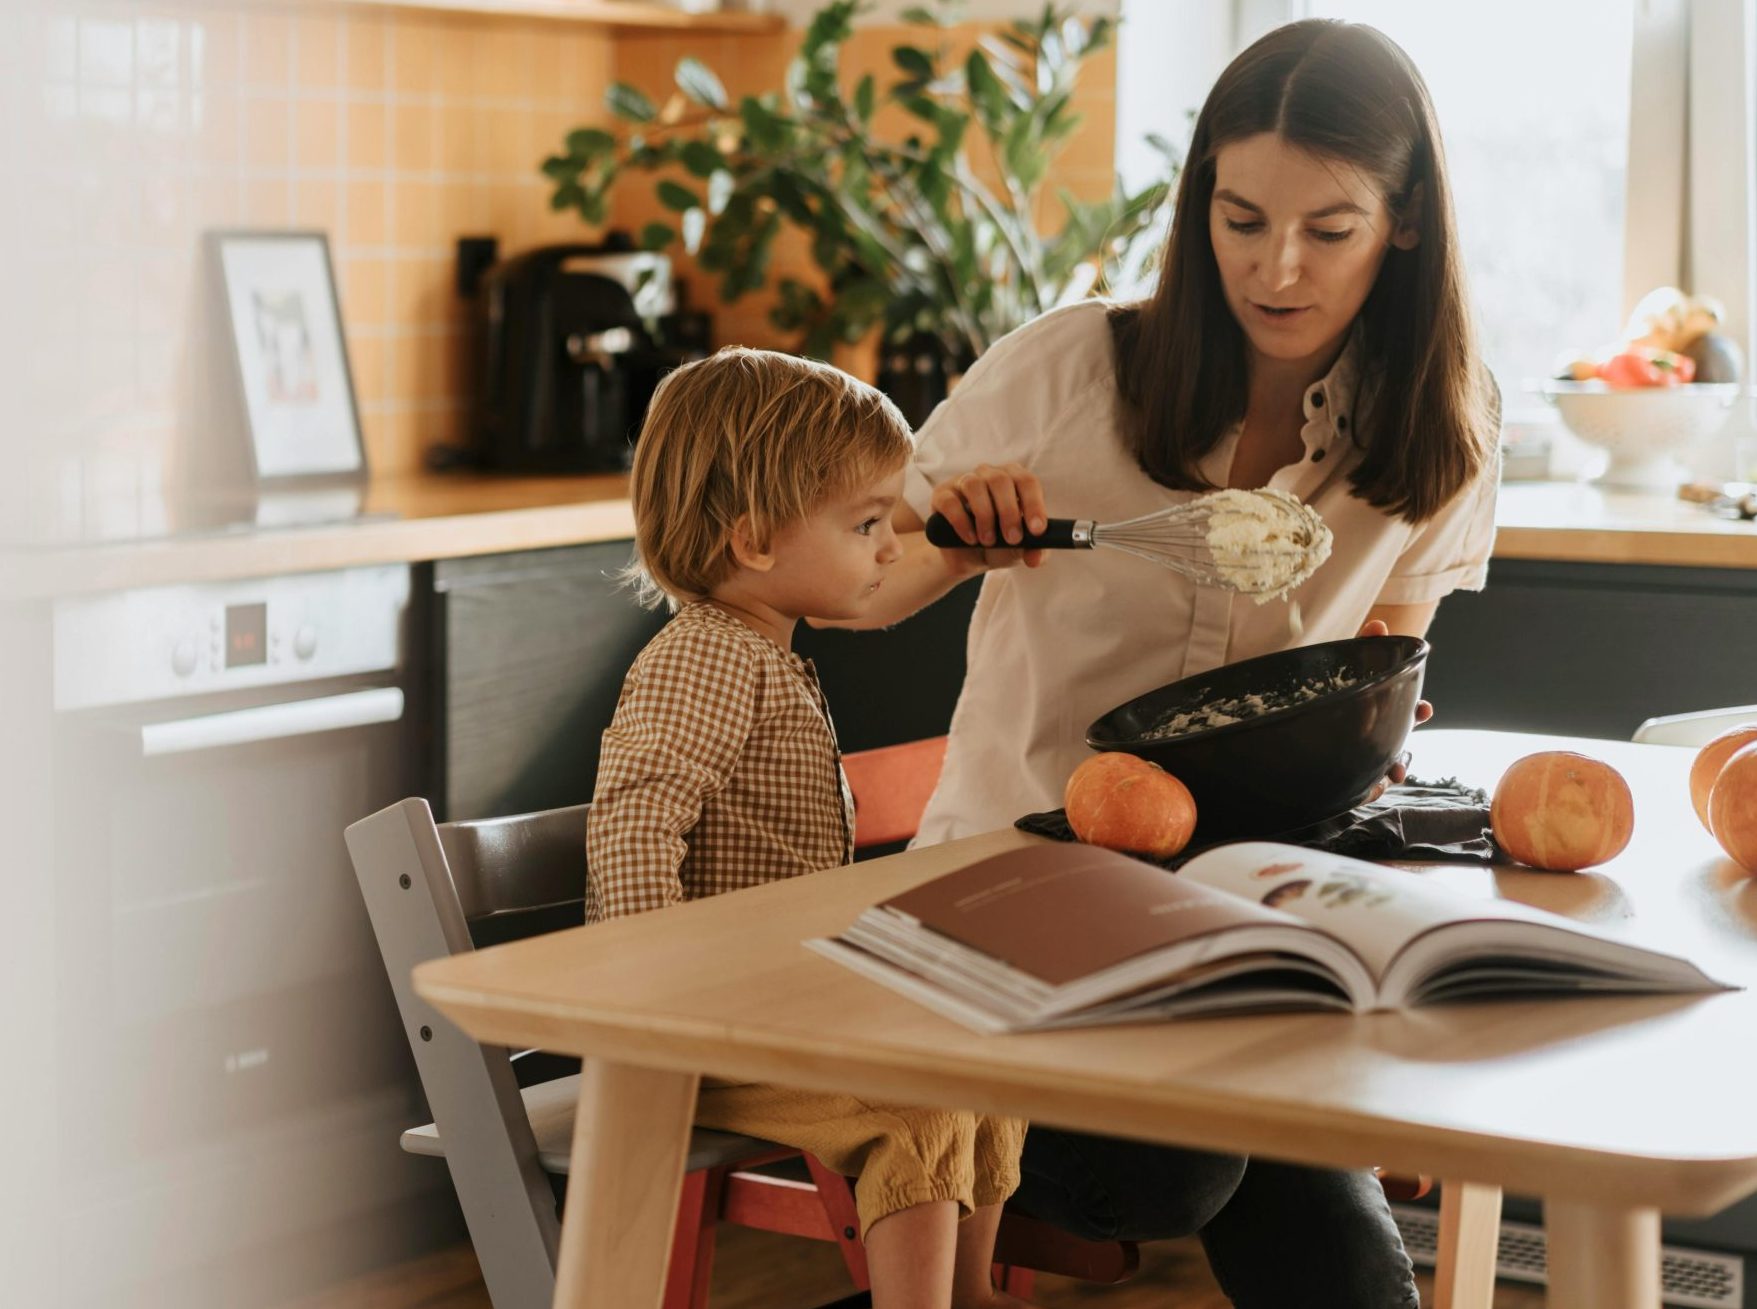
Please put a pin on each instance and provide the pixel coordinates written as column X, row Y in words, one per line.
column 753, row 435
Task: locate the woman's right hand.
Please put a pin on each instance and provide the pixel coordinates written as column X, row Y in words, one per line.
column 992, row 507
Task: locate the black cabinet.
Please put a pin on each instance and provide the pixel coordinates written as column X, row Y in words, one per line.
column 530, row 649
column 1592, row 649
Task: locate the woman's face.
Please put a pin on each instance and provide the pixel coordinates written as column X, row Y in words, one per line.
column 1299, row 240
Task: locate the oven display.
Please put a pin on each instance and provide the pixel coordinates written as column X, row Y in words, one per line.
column 246, row 635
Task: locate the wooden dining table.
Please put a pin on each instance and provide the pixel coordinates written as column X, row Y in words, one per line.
column 1613, row 1110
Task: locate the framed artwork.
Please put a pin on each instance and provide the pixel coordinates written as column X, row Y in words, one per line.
column 284, row 326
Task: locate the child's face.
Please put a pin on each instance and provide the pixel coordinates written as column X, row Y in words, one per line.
column 830, row 564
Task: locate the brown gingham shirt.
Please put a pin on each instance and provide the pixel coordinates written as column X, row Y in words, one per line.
column 718, row 771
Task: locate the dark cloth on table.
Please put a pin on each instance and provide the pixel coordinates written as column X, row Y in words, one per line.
column 1413, row 820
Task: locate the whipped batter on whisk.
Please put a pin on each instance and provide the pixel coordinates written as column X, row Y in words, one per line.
column 1264, row 542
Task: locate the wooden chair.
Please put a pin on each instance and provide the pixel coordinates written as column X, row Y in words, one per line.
column 433, row 890
column 891, row 787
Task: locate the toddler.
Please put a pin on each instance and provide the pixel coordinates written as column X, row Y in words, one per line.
column 763, row 487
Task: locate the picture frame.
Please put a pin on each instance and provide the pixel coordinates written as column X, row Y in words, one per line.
column 282, row 327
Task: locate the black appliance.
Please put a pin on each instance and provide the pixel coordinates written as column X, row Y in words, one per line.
column 572, row 340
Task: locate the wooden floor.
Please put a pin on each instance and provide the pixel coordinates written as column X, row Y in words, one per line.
column 758, row 1270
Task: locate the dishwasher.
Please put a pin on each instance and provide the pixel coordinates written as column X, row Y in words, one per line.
column 232, row 1077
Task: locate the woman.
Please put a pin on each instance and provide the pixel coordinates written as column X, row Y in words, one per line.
column 1310, row 332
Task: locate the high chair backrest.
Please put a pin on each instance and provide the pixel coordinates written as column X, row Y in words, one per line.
column 433, row 891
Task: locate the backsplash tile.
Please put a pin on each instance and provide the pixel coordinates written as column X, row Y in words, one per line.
column 135, row 127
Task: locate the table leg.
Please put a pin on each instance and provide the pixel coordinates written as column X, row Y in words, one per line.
column 1470, row 1238
column 630, row 1140
column 1601, row 1257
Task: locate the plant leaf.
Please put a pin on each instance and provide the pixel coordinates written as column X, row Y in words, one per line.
column 720, row 187
column 630, row 103
column 695, row 222
column 584, row 142
column 697, row 81
column 701, row 158
column 915, row 62
column 656, row 236
column 677, row 197
column 865, row 98
column 922, row 15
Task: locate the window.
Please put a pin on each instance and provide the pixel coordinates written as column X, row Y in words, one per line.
column 1533, row 103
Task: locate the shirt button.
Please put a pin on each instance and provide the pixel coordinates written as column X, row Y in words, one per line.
column 1317, row 456
column 1317, row 399
column 1341, row 422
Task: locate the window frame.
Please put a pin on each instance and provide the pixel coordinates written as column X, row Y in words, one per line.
column 1693, row 77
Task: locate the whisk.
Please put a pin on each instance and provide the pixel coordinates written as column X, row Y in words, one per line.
column 1258, row 543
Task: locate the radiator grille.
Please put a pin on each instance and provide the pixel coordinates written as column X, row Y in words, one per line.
column 1690, row 1279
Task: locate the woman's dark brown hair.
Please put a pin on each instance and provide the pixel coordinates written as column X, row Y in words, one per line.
column 1425, row 418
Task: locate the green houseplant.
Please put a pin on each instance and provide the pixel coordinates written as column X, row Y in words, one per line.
column 910, row 235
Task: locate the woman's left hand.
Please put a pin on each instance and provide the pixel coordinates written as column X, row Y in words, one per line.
column 1423, row 712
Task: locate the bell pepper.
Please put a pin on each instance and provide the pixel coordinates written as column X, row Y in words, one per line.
column 1644, row 366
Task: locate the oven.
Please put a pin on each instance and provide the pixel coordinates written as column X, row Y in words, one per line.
column 231, row 1074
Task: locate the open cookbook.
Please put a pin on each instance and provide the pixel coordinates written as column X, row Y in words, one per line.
column 1073, row 935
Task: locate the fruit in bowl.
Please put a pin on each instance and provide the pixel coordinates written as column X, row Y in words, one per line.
column 1668, row 382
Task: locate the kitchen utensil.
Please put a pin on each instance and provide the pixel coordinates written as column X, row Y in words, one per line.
column 1288, row 766
column 1196, row 540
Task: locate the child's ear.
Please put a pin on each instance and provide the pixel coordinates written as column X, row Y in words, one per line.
column 1407, row 234
column 744, row 549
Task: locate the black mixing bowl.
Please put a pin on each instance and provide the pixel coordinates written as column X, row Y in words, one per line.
column 1286, row 768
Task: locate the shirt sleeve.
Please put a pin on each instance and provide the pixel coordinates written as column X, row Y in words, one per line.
column 1450, row 552
column 1010, row 401
column 687, row 708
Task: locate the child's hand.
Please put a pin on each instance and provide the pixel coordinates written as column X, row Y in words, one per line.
column 991, row 508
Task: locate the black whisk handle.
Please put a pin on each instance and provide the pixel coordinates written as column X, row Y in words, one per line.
column 1059, row 535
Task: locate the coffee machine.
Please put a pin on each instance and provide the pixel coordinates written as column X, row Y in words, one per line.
column 571, row 341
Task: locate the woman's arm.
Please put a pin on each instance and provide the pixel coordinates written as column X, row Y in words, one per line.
column 1404, row 620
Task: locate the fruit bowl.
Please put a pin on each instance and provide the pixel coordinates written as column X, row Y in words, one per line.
column 1338, row 715
column 1643, row 429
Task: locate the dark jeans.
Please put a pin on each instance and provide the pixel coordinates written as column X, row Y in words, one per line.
column 1278, row 1236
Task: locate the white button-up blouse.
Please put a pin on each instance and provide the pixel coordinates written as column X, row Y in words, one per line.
column 1053, row 648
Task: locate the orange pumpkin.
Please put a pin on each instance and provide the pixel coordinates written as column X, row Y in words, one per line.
column 1732, row 808
column 1123, row 802
column 1562, row 811
column 1710, row 759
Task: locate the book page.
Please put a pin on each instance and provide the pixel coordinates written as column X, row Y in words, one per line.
column 1418, row 938
column 1375, row 911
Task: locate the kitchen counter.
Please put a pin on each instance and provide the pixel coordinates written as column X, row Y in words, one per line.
column 402, row 520
column 1574, row 522
column 433, row 516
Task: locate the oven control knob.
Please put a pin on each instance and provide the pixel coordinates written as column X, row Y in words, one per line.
column 183, row 658
column 305, row 641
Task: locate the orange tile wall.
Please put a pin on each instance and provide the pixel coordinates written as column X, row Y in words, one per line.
column 135, row 125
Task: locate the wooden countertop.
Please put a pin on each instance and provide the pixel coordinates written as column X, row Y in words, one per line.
column 1579, row 523
column 445, row 516
column 403, row 520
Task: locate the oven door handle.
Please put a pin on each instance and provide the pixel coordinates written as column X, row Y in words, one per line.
column 271, row 722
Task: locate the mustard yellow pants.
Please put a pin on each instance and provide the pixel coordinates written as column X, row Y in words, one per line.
column 898, row 1156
